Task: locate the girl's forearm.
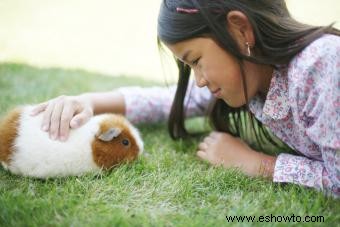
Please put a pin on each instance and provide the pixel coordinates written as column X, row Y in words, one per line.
column 106, row 102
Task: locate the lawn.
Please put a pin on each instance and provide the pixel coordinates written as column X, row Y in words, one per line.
column 169, row 187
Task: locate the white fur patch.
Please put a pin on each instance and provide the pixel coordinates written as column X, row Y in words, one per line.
column 37, row 155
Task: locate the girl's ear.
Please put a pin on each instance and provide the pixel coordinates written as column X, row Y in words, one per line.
column 240, row 28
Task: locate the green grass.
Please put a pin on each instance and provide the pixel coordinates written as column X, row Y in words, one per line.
column 169, row 187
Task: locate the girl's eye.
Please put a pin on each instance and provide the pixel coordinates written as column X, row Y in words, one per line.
column 194, row 63
column 125, row 142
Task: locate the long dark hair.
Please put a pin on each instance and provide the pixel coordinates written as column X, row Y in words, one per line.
column 278, row 38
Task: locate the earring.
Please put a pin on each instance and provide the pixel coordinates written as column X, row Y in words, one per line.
column 248, row 49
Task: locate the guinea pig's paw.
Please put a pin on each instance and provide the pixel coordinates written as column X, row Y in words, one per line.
column 109, row 134
column 146, row 154
column 4, row 165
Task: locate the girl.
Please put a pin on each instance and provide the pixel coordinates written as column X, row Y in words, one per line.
column 247, row 57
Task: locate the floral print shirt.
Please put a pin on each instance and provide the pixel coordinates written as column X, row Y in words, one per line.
column 302, row 108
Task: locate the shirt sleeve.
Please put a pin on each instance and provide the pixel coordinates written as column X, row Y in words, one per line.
column 153, row 104
column 322, row 175
column 318, row 99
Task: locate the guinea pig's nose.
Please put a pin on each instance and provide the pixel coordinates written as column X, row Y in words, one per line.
column 146, row 154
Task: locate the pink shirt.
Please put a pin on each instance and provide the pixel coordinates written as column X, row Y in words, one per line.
column 302, row 108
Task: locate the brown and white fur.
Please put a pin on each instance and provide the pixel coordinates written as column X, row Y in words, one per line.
column 103, row 142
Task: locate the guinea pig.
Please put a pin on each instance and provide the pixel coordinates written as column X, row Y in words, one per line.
column 103, row 142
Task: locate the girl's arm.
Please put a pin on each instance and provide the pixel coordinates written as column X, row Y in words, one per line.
column 323, row 175
column 315, row 99
column 138, row 104
column 153, row 104
column 106, row 102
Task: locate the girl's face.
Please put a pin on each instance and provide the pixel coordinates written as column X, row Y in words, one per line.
column 219, row 71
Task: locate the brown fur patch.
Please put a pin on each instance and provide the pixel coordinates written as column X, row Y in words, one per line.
column 8, row 132
column 112, row 153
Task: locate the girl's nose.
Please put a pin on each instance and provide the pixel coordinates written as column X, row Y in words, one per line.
column 200, row 81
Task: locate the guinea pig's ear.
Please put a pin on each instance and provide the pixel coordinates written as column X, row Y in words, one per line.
column 109, row 134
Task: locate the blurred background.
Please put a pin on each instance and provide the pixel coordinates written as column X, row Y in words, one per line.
column 114, row 37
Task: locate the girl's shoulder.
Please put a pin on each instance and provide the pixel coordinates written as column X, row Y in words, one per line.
column 326, row 39
column 324, row 48
column 313, row 75
column 319, row 59
column 313, row 89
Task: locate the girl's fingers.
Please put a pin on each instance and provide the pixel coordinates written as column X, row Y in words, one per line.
column 202, row 155
column 80, row 119
column 214, row 134
column 66, row 116
column 208, row 140
column 39, row 108
column 45, row 125
column 203, row 146
column 55, row 120
column 62, row 113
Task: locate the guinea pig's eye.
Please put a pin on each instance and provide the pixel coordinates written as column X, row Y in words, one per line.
column 125, row 142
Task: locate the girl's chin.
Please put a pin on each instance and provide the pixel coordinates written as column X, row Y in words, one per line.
column 233, row 104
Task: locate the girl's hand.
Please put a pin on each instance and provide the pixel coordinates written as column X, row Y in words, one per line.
column 63, row 113
column 231, row 152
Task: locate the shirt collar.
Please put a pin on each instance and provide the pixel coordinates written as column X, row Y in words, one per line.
column 276, row 105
